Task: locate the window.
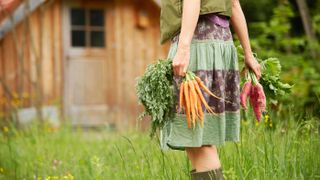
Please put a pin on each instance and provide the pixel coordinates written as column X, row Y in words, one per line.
column 87, row 27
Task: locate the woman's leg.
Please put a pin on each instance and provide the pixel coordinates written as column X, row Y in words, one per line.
column 204, row 158
column 192, row 156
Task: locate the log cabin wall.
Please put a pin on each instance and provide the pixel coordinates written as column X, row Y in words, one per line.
column 131, row 43
column 36, row 38
column 137, row 48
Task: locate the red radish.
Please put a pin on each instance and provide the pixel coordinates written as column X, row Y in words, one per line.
column 244, row 94
column 254, row 103
column 258, row 100
column 262, row 98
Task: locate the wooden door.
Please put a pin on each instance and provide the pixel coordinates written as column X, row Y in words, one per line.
column 85, row 85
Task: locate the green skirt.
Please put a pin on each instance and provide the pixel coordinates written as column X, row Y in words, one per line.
column 213, row 58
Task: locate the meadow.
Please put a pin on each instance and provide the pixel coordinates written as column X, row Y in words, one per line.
column 285, row 145
column 273, row 149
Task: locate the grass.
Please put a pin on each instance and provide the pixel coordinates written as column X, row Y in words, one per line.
column 270, row 150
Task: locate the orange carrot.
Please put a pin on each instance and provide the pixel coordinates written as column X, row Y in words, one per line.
column 199, row 105
column 200, row 112
column 205, row 88
column 196, row 85
column 187, row 101
column 181, row 96
column 196, row 99
column 191, row 105
column 193, row 96
column 183, row 106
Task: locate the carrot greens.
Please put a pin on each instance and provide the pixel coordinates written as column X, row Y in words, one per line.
column 155, row 92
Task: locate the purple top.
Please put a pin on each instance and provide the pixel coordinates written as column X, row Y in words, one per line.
column 217, row 19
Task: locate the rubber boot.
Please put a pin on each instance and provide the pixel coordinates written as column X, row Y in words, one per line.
column 215, row 174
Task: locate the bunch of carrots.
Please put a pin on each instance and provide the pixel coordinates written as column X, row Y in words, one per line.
column 191, row 99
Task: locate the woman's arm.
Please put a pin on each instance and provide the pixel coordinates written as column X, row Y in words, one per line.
column 239, row 24
column 190, row 15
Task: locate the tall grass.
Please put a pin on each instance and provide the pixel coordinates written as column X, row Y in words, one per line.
column 287, row 149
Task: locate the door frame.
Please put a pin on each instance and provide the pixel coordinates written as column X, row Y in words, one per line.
column 69, row 51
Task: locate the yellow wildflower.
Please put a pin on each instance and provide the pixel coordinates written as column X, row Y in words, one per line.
column 5, row 129
column 1, row 170
column 48, row 178
column 55, row 177
column 70, row 176
column 39, row 178
column 266, row 118
column 270, row 124
column 15, row 103
column 25, row 95
column 15, row 95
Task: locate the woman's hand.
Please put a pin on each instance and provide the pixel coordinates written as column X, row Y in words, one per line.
column 251, row 62
column 181, row 61
column 190, row 15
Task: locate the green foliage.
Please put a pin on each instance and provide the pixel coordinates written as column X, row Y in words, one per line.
column 316, row 23
column 256, row 10
column 275, row 34
column 306, row 92
column 279, row 37
column 270, row 79
column 155, row 92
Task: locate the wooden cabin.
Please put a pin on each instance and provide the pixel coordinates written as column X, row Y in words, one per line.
column 76, row 59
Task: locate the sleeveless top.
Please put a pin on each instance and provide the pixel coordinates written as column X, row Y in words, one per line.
column 171, row 14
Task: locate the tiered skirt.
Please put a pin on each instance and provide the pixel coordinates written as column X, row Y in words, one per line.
column 213, row 57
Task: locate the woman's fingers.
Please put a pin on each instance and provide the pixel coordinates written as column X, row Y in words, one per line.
column 258, row 73
column 253, row 64
column 179, row 70
column 184, row 71
column 181, row 61
column 180, row 66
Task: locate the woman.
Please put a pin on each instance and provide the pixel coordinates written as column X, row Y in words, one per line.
column 204, row 45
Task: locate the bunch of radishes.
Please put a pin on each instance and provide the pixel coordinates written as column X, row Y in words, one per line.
column 254, row 90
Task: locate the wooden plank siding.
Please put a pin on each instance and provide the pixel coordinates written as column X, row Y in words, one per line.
column 2, row 95
column 128, row 51
column 134, row 48
column 35, row 41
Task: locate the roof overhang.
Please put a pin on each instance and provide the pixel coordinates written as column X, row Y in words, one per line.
column 18, row 10
column 7, row 6
column 17, row 15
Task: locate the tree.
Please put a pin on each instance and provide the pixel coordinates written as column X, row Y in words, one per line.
column 307, row 23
